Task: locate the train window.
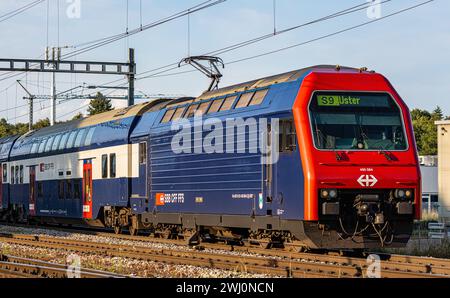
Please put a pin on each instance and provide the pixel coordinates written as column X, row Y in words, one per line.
column 76, row 190
column 112, row 165
column 79, row 138
column 167, row 116
column 287, row 137
column 49, row 144
column 16, row 175
column 90, row 134
column 143, row 153
column 34, row 147
column 105, row 166
column 5, row 172
column 203, row 108
column 56, row 142
column 62, row 143
column 258, row 97
column 71, row 139
column 356, row 121
column 244, row 100
column 12, row 175
column 228, row 103
column 69, row 194
column 215, row 106
column 42, row 145
column 178, row 114
column 21, row 174
column 61, row 189
column 40, row 189
column 191, row 111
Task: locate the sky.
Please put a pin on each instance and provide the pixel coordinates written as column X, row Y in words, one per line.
column 411, row 49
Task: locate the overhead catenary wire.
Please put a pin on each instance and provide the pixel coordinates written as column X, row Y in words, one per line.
column 332, row 34
column 89, row 46
column 20, row 10
column 103, row 41
column 162, row 71
column 248, row 42
column 298, row 44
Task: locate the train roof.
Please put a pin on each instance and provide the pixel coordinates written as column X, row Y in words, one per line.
column 118, row 125
column 111, row 127
column 5, row 146
column 275, row 79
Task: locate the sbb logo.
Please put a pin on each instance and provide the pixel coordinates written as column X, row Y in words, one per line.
column 160, row 199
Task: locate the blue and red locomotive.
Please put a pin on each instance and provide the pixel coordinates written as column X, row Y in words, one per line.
column 345, row 172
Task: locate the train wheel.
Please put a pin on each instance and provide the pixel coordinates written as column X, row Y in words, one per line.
column 133, row 228
column 117, row 229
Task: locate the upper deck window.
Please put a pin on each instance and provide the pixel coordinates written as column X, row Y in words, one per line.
column 79, row 138
column 35, row 146
column 71, row 139
column 356, row 121
column 90, row 134
column 56, row 142
column 62, row 143
column 49, row 144
column 42, row 145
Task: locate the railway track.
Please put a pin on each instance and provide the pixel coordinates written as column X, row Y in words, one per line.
column 270, row 262
column 391, row 262
column 12, row 267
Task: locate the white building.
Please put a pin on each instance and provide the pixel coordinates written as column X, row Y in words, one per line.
column 443, row 128
column 430, row 186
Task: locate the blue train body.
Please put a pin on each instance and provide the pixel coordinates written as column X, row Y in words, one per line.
column 124, row 168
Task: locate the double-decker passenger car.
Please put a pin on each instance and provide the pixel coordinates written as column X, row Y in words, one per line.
column 345, row 175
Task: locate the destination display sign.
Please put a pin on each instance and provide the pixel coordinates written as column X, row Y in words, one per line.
column 334, row 100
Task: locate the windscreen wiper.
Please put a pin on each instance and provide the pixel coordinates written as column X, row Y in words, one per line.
column 386, row 154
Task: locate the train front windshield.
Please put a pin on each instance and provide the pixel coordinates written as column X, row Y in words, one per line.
column 356, row 121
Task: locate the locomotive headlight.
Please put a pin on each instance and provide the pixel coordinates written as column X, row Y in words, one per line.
column 403, row 193
column 408, row 193
column 333, row 193
column 328, row 193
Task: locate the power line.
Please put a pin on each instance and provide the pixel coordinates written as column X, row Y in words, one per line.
column 248, row 42
column 20, row 10
column 89, row 46
column 331, row 34
column 158, row 74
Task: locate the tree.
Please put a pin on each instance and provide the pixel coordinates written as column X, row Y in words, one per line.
column 6, row 129
column 78, row 116
column 437, row 114
column 41, row 123
column 99, row 105
column 425, row 130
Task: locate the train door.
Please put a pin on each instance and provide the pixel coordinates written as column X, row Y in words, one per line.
column 143, row 168
column 32, row 193
column 287, row 174
column 87, row 189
